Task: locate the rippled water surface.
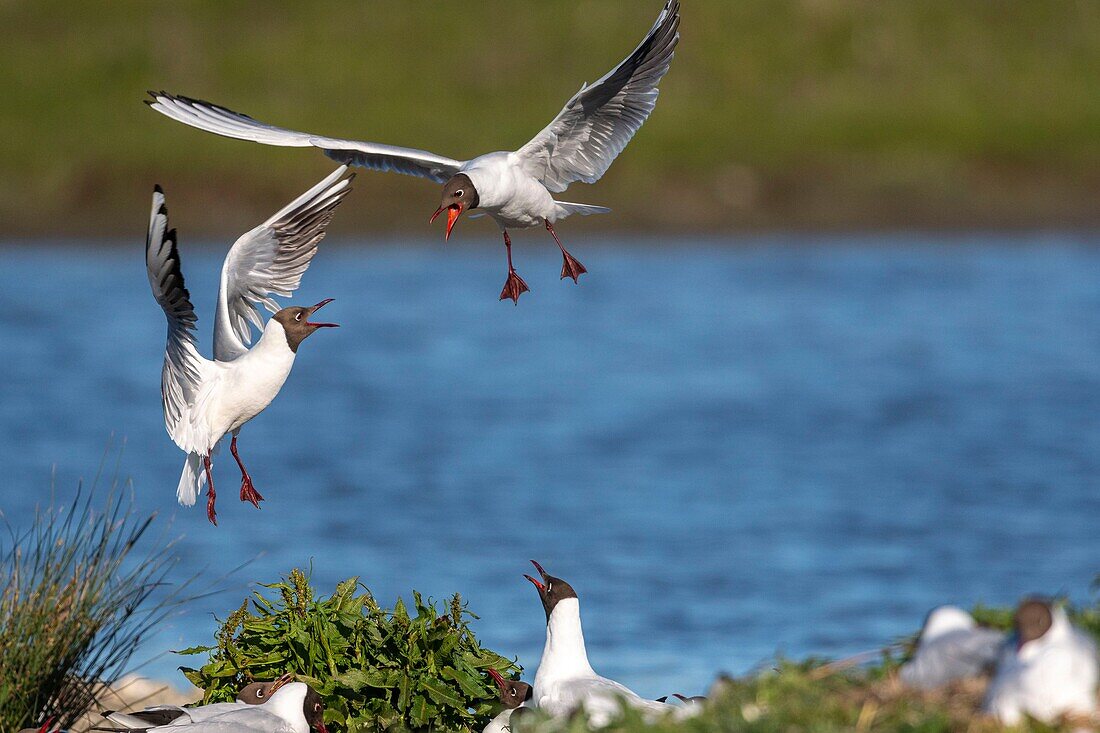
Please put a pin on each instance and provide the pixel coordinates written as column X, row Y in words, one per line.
column 790, row 446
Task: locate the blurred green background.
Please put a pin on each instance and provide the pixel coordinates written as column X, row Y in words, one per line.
column 777, row 114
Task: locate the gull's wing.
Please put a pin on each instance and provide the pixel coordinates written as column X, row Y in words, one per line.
column 182, row 375
column 597, row 123
column 601, row 698
column 270, row 260
column 376, row 156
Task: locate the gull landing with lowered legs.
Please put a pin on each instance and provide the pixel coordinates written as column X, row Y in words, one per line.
column 514, row 188
column 204, row 400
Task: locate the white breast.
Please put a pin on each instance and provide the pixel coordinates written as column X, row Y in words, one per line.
column 249, row 383
column 513, row 198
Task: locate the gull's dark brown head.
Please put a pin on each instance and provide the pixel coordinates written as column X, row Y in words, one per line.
column 257, row 693
column 314, row 710
column 295, row 322
column 551, row 590
column 513, row 693
column 459, row 195
column 1033, row 618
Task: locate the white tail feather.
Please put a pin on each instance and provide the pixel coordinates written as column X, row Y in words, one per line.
column 582, row 209
column 191, row 480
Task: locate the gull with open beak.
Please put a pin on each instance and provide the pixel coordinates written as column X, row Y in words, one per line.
column 565, row 681
column 514, row 695
column 514, row 188
column 204, row 400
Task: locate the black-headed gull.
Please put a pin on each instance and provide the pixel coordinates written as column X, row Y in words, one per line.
column 514, row 188
column 513, row 695
column 1051, row 670
column 205, row 400
column 290, row 707
column 951, row 646
column 565, row 680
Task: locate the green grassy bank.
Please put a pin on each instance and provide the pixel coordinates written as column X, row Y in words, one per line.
column 776, row 114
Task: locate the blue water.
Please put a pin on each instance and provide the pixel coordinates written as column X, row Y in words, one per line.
column 794, row 446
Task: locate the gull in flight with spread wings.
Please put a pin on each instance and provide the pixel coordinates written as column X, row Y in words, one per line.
column 514, row 188
column 205, row 400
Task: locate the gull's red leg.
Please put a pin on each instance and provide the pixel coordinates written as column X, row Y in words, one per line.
column 571, row 267
column 211, row 495
column 515, row 285
column 248, row 491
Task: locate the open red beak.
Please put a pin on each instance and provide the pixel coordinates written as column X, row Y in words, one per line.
column 540, row 586
column 453, row 212
column 498, row 677
column 313, row 310
column 321, row 728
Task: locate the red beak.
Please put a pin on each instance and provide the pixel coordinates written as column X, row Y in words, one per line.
column 538, row 585
column 321, row 728
column 453, row 212
column 313, row 310
column 498, row 677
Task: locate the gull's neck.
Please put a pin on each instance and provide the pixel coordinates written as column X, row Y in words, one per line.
column 273, row 342
column 288, row 702
column 564, row 654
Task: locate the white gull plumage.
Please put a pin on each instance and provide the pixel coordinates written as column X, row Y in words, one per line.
column 1047, row 677
column 203, row 400
column 514, row 188
column 284, row 712
column 951, row 646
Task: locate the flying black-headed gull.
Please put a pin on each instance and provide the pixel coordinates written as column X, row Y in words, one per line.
column 513, row 695
column 514, row 188
column 565, row 681
column 289, row 707
column 951, row 646
column 204, row 400
column 1049, row 672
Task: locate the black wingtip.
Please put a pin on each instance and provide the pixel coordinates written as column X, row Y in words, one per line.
column 158, row 189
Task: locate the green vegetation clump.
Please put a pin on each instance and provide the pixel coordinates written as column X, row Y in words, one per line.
column 377, row 669
column 78, row 597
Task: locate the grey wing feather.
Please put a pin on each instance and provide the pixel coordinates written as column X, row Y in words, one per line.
column 955, row 655
column 270, row 261
column 375, row 156
column 598, row 122
column 182, row 373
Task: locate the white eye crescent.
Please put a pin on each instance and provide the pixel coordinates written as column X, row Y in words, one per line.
column 458, row 193
column 298, row 317
column 259, row 693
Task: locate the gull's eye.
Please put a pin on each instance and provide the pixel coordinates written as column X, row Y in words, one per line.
column 298, row 317
column 317, row 707
column 512, row 693
column 549, row 587
column 458, row 193
column 259, row 693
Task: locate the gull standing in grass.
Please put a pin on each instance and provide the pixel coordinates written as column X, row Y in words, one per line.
column 951, row 646
column 205, row 400
column 565, row 681
column 514, row 188
column 1049, row 672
